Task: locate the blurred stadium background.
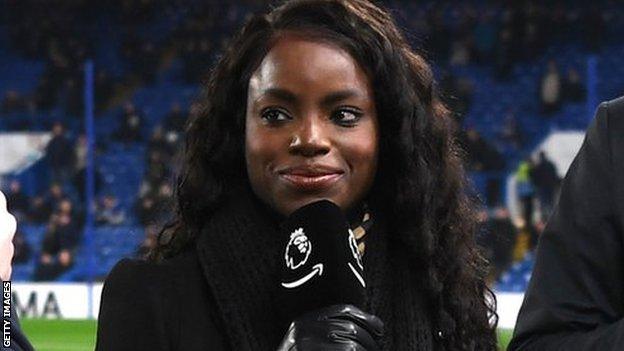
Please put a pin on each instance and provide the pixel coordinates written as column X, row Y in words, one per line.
column 94, row 96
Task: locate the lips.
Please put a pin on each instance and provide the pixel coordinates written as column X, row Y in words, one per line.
column 311, row 178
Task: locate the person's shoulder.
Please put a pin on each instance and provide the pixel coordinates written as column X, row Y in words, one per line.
column 141, row 272
column 609, row 124
column 616, row 104
column 610, row 114
column 134, row 276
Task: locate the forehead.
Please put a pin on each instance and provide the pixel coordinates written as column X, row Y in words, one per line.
column 303, row 65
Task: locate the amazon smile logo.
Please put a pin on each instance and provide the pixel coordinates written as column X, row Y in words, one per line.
column 317, row 269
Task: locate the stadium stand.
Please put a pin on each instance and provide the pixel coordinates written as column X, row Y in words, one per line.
column 490, row 60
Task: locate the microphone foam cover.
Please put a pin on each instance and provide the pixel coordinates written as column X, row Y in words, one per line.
column 321, row 265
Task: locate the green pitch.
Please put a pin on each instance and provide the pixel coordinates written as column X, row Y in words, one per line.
column 60, row 335
column 79, row 335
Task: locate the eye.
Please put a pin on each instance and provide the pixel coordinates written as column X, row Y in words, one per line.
column 347, row 117
column 273, row 115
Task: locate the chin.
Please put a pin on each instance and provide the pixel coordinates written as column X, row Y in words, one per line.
column 291, row 207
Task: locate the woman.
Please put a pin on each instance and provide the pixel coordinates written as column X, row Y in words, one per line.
column 319, row 99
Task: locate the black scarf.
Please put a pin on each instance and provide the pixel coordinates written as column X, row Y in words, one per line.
column 239, row 253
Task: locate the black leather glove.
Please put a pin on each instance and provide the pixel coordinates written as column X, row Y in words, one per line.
column 334, row 328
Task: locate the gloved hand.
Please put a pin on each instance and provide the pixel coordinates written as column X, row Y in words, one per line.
column 334, row 328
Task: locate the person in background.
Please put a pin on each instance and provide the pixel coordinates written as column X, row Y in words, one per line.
column 38, row 212
column 504, row 238
column 53, row 197
column 59, row 153
column 108, row 211
column 573, row 88
column 544, row 177
column 8, row 226
column 59, row 243
column 497, row 238
column 550, row 89
column 526, row 190
column 575, row 299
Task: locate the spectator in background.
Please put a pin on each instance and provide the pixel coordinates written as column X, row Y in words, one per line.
column 526, row 190
column 573, row 88
column 39, row 212
column 550, row 89
column 503, row 234
column 109, row 212
column 131, row 124
column 42, row 206
column 80, row 153
column 18, row 202
column 59, row 243
column 546, row 180
column 54, row 196
column 59, row 153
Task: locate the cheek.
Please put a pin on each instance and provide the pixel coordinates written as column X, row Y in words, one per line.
column 362, row 155
column 261, row 152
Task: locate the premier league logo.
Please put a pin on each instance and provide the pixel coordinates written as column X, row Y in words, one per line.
column 298, row 249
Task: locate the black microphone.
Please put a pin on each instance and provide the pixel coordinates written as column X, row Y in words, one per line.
column 321, row 265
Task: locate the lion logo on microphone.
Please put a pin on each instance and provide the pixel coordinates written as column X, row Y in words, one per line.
column 298, row 249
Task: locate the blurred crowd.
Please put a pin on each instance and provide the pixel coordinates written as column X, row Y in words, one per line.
column 61, row 207
column 153, row 33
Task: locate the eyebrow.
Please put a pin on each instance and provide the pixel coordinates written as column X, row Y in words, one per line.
column 329, row 99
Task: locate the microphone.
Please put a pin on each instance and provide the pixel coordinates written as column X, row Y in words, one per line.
column 321, row 265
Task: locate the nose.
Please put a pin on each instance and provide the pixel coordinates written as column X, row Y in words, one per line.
column 310, row 138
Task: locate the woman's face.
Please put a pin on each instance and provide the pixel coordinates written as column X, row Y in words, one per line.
column 311, row 127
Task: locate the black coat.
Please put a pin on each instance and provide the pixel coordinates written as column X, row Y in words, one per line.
column 220, row 293
column 575, row 300
column 19, row 342
column 167, row 306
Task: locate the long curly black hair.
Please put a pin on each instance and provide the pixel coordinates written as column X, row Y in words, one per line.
column 420, row 184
